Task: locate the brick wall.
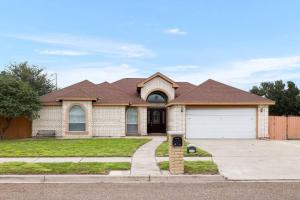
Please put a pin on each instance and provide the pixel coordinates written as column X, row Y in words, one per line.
column 176, row 119
column 109, row 121
column 262, row 121
column 50, row 118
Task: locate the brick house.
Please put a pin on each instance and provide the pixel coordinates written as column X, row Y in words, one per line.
column 153, row 105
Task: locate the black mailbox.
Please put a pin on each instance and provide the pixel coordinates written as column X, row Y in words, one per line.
column 177, row 141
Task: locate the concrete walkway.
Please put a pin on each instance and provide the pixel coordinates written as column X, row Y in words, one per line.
column 143, row 161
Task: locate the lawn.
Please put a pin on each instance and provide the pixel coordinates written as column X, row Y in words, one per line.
column 194, row 167
column 119, row 147
column 61, row 168
column 163, row 150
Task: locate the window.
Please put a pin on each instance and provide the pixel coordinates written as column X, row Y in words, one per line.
column 157, row 97
column 76, row 119
column 132, row 120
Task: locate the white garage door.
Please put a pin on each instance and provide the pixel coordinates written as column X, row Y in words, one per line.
column 221, row 123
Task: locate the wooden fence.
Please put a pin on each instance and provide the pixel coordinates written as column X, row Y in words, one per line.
column 19, row 128
column 283, row 128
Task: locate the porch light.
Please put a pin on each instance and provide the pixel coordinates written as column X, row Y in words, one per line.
column 191, row 148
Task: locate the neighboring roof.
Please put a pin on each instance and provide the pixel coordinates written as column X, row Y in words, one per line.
column 157, row 74
column 212, row 92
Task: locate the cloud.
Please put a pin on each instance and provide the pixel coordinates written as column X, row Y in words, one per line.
column 95, row 72
column 91, row 45
column 175, row 31
column 63, row 53
column 241, row 73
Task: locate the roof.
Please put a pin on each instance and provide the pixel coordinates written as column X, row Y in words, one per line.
column 157, row 74
column 81, row 90
column 212, row 92
column 125, row 92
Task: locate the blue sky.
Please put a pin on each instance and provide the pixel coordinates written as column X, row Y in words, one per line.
column 236, row 42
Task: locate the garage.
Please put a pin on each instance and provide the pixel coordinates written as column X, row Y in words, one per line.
column 222, row 122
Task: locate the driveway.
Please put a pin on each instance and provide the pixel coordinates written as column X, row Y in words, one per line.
column 254, row 159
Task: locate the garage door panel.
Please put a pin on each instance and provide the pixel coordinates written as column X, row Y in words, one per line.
column 221, row 123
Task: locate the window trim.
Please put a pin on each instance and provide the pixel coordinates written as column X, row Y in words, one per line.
column 137, row 119
column 85, row 119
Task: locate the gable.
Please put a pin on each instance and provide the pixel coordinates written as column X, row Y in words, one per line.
column 158, row 84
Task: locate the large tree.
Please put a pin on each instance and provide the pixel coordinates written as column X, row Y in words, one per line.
column 35, row 76
column 17, row 99
column 286, row 96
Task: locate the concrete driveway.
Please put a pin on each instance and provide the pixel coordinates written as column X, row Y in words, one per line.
column 254, row 159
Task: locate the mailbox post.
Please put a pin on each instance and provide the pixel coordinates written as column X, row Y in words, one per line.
column 176, row 162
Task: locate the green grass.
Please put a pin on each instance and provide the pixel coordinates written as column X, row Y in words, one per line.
column 163, row 151
column 194, row 167
column 71, row 147
column 61, row 168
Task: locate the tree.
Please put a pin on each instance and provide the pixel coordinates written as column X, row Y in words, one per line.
column 286, row 96
column 33, row 75
column 17, row 99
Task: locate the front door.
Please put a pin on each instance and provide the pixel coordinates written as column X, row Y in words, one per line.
column 156, row 120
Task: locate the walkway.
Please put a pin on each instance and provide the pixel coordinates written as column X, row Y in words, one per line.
column 143, row 161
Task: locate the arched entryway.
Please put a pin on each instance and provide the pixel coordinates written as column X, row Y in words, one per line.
column 156, row 114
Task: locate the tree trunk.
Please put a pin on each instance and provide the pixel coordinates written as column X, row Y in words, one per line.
column 7, row 121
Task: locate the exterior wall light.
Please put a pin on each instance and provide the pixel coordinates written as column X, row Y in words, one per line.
column 191, row 148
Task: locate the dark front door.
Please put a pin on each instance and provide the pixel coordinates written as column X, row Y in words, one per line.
column 156, row 120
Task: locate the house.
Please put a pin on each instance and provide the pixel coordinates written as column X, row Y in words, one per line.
column 157, row 104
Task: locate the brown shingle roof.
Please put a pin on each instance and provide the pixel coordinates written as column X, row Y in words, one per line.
column 110, row 94
column 129, row 85
column 124, row 92
column 212, row 92
column 78, row 90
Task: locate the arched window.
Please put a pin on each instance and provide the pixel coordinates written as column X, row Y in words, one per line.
column 76, row 119
column 132, row 120
column 157, row 97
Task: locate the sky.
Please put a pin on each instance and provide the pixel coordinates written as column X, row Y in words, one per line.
column 240, row 43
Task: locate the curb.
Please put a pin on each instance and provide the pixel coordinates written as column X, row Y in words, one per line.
column 108, row 179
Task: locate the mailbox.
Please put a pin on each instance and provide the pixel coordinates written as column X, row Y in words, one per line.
column 177, row 141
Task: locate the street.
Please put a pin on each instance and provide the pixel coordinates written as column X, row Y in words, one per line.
column 154, row 191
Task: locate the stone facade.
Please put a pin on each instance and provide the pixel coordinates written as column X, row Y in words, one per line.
column 176, row 161
column 263, row 121
column 158, row 84
column 50, row 118
column 142, row 122
column 176, row 119
column 109, row 121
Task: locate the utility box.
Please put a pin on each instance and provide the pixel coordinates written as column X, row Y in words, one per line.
column 176, row 162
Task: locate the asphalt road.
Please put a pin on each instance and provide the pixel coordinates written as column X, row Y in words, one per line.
column 153, row 191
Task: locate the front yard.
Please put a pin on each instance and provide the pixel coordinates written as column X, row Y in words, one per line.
column 194, row 167
column 163, row 151
column 104, row 147
column 61, row 168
